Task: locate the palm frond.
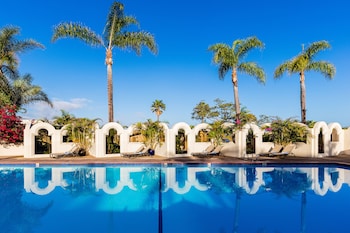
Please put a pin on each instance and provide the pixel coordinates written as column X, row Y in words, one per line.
column 78, row 31
column 224, row 68
column 252, row 69
column 248, row 44
column 281, row 69
column 327, row 69
column 135, row 41
column 316, row 47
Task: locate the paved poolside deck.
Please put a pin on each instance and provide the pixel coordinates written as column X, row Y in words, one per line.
column 91, row 160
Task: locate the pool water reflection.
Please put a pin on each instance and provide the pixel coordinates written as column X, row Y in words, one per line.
column 174, row 199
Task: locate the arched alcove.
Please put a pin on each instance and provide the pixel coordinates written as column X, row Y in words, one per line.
column 320, row 139
column 202, row 136
column 181, row 142
column 250, row 142
column 334, row 135
column 112, row 142
column 42, row 142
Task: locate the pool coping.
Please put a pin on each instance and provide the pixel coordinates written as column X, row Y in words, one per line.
column 91, row 160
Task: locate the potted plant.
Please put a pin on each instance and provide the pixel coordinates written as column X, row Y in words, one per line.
column 152, row 133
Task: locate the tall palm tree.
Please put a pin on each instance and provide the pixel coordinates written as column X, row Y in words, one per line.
column 158, row 107
column 305, row 62
column 231, row 58
column 10, row 47
column 114, row 35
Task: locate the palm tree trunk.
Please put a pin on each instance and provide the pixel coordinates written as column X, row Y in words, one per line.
column 235, row 93
column 109, row 63
column 302, row 98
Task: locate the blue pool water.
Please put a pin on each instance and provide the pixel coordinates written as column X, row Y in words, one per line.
column 174, row 199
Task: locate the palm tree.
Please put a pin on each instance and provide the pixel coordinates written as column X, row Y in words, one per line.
column 304, row 62
column 158, row 107
column 10, row 47
column 231, row 58
column 114, row 35
column 20, row 91
column 23, row 92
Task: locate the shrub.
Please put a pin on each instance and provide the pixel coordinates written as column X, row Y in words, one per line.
column 11, row 127
column 284, row 132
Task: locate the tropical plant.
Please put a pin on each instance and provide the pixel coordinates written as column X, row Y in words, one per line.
column 158, row 107
column 21, row 92
column 10, row 47
column 231, row 58
column 201, row 112
column 305, row 62
column 218, row 132
column 284, row 132
column 81, row 131
column 11, row 127
column 115, row 34
column 64, row 119
column 152, row 133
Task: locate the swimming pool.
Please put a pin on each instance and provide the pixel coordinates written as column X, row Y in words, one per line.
column 174, row 199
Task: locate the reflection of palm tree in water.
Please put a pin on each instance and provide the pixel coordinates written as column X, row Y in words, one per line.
column 221, row 181
column 81, row 182
column 290, row 184
column 17, row 216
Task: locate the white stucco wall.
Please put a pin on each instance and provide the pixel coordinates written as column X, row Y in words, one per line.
column 335, row 139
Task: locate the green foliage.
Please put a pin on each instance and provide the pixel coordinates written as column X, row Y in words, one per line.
column 233, row 58
column 115, row 35
column 152, row 133
column 81, row 131
column 284, row 132
column 43, row 142
column 158, row 107
column 219, row 131
column 112, row 142
column 223, row 111
column 64, row 119
column 202, row 111
column 16, row 90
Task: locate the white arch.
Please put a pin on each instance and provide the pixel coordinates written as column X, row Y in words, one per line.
column 336, row 146
column 315, row 132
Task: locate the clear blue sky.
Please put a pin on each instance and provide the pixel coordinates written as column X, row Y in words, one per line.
column 182, row 74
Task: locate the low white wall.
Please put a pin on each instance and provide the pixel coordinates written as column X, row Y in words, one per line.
column 12, row 150
column 168, row 149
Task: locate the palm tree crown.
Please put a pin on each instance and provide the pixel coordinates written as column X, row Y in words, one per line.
column 10, row 47
column 158, row 107
column 114, row 35
column 16, row 90
column 231, row 58
column 305, row 62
